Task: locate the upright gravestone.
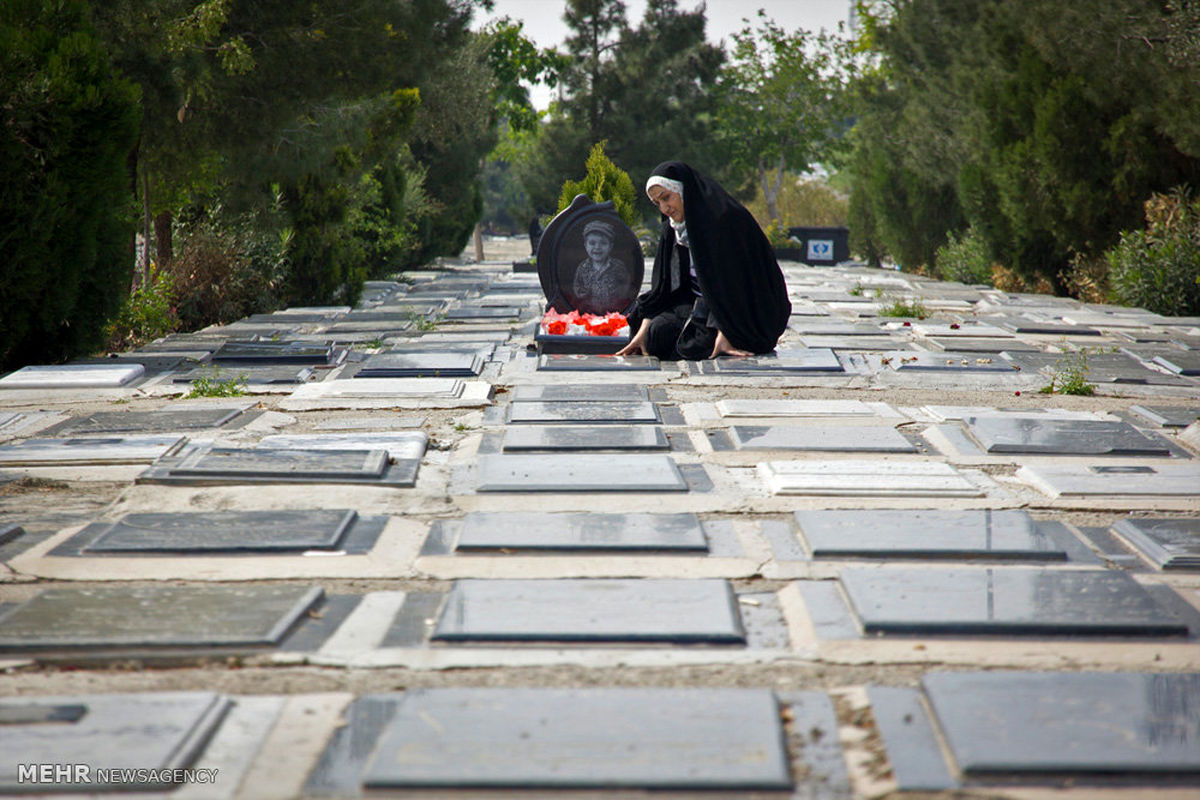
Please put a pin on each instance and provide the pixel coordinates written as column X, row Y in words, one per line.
column 588, row 261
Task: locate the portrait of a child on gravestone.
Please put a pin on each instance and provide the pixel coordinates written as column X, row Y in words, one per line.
column 601, row 283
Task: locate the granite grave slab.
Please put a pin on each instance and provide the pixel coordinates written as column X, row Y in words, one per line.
column 845, row 439
column 817, row 359
column 253, row 374
column 988, row 346
column 915, row 361
column 95, row 450
column 1167, row 543
column 579, row 438
column 1168, row 416
column 1013, row 601
column 422, row 365
column 367, row 388
column 157, row 421
column 400, row 445
column 156, row 616
column 947, row 413
column 275, row 352
column 591, row 610
column 1084, row 723
column 224, row 531
column 533, row 531
column 581, row 362
column 122, row 733
column 1183, row 362
column 592, row 413
column 208, row 465
column 581, row 393
column 1075, row 437
column 73, row 376
column 599, row 738
column 855, row 478
column 567, row 473
column 1101, row 368
column 927, row 533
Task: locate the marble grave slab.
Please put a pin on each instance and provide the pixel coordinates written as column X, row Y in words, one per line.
column 1117, row 480
column 515, row 530
column 581, row 392
column 94, row 450
column 1074, row 437
column 1167, row 542
column 581, row 439
column 223, row 531
column 1168, row 416
column 857, row 478
column 843, row 438
column 617, row 413
column 72, row 376
column 576, row 362
column 567, row 473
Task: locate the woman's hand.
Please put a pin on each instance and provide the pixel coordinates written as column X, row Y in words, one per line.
column 722, row 347
column 637, row 345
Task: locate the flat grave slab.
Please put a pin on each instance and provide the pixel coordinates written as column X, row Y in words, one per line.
column 158, row 421
column 947, row 413
column 964, row 330
column 1083, row 723
column 367, row 388
column 581, row 532
column 1102, row 368
column 582, row 392
column 422, row 365
column 855, row 478
column 224, row 531
column 157, row 616
column 591, row 610
column 989, row 346
column 1183, row 362
column 854, row 343
column 264, row 374
column 914, row 361
column 1074, row 437
column 96, row 450
column 845, row 439
column 72, row 376
column 826, row 327
column 1168, row 416
column 796, row 408
column 402, row 445
column 208, row 465
column 1046, row 327
column 681, row 739
column 1013, row 601
column 156, row 731
column 576, row 362
column 579, row 438
column 927, row 533
column 568, row 473
column 273, row 352
column 1118, row 480
column 617, row 413
column 484, row 312
column 1168, row 543
column 817, row 359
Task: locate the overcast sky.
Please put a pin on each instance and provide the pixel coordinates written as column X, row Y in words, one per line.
column 544, row 25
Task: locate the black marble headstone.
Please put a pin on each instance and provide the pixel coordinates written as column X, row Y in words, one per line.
column 589, row 260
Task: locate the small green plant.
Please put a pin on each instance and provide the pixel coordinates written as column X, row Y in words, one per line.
column 1070, row 376
column 423, row 323
column 147, row 313
column 462, row 426
column 900, row 307
column 857, row 291
column 374, row 344
column 216, row 386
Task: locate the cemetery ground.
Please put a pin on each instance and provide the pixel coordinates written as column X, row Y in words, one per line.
column 880, row 564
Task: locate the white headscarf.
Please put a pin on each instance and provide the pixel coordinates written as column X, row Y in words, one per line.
column 675, row 186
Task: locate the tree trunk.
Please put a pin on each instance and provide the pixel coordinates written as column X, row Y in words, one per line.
column 144, row 265
column 162, row 238
column 478, row 242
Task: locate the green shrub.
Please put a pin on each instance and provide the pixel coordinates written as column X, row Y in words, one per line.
column 148, row 313
column 1159, row 268
column 964, row 260
column 899, row 307
column 1070, row 376
column 604, row 181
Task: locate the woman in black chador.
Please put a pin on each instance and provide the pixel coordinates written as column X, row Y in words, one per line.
column 716, row 288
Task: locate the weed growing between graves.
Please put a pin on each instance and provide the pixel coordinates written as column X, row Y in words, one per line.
column 422, row 323
column 857, row 290
column 216, row 386
column 899, row 307
column 373, row 344
column 1070, row 376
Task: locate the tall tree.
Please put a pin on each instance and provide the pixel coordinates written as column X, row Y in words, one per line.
column 596, row 27
column 70, row 125
column 783, row 102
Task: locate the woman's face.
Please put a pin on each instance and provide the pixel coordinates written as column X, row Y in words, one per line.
column 668, row 203
column 598, row 247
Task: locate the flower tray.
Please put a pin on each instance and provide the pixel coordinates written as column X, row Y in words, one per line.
column 595, row 345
